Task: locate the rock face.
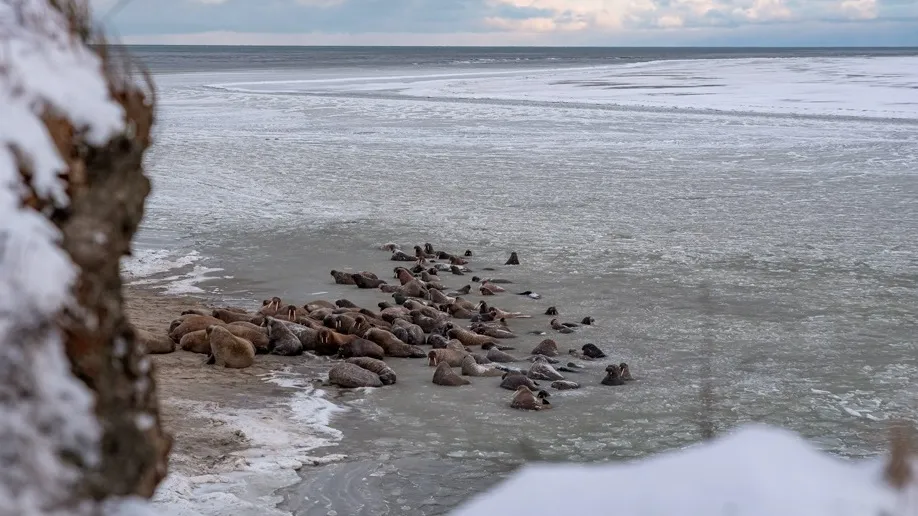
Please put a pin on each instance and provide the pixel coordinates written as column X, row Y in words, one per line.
column 107, row 189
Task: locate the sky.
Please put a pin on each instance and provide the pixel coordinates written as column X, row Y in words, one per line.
column 514, row 22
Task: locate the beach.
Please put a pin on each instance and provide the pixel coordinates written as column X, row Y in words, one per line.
column 750, row 253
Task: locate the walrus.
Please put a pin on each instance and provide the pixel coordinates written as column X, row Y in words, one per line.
column 196, row 311
column 344, row 303
column 419, row 255
column 592, row 351
column 551, row 311
column 154, row 344
column 588, row 321
column 413, row 289
column 253, row 334
column 561, row 328
column 305, row 334
column 231, row 316
column 467, row 253
column 407, row 332
column 444, row 375
column 390, row 246
column 385, row 373
column 328, row 342
column 492, row 287
column 366, row 282
column 512, row 381
column 469, row 338
column 228, row 350
column 362, row 348
column 352, row 376
column 493, row 332
column 282, row 341
column 496, row 355
column 195, row 342
column 547, row 347
column 456, row 270
column 564, row 385
column 439, row 297
column 462, row 292
column 179, row 320
column 471, row 368
column 270, row 306
column 452, row 357
column 481, row 359
column 613, row 376
column 485, row 291
column 318, row 304
column 459, row 312
column 436, row 341
column 427, row 324
column 455, row 260
column 513, row 260
column 542, row 370
column 392, row 346
column 399, row 256
column 524, row 399
column 192, row 323
column 625, row 372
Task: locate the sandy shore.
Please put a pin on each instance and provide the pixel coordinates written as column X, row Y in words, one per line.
column 244, row 431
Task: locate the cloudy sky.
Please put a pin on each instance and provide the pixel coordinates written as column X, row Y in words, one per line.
column 515, row 22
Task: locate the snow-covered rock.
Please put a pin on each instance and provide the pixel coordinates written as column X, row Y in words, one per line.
column 44, row 410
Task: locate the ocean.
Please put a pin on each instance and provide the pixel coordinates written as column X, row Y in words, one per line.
column 741, row 223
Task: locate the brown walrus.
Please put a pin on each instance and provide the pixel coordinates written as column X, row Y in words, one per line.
column 229, row 316
column 362, row 348
column 524, row 399
column 471, row 368
column 444, row 375
column 195, row 342
column 386, row 374
column 342, row 278
column 329, row 342
column 192, row 323
column 255, row 335
column 270, row 306
column 196, row 311
column 551, row 311
column 453, row 357
column 351, row 376
column 468, row 338
column 228, row 350
column 318, row 304
column 152, row 343
column 366, row 282
column 345, row 303
column 512, row 381
column 547, row 347
column 513, row 260
column 392, row 345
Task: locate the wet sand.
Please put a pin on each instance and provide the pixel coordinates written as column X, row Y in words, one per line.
column 238, row 434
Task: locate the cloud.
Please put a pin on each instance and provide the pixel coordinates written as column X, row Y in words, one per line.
column 543, row 22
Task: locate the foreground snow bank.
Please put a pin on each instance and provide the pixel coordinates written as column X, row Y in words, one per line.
column 756, row 471
column 45, row 413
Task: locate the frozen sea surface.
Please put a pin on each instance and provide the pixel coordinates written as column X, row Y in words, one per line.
column 758, row 237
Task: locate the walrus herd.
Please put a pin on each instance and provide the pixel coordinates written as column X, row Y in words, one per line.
column 423, row 313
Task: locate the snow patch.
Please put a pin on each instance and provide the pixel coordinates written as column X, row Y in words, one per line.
column 755, row 471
